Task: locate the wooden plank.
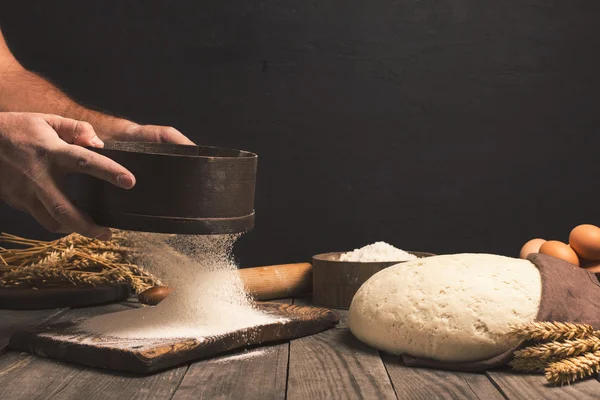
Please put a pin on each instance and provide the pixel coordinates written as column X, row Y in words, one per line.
column 260, row 373
column 14, row 320
column 102, row 385
column 23, row 376
column 423, row 383
column 535, row 386
column 335, row 365
column 69, row 342
column 482, row 386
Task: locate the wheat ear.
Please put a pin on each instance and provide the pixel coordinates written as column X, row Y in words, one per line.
column 571, row 369
column 556, row 350
column 551, row 331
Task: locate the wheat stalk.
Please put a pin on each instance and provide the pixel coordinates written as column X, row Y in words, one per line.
column 71, row 260
column 566, row 352
column 572, row 369
column 555, row 350
column 551, row 331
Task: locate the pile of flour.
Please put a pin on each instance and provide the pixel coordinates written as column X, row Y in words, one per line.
column 208, row 298
column 377, row 252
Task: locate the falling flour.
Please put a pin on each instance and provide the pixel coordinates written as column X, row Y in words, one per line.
column 208, row 298
column 377, row 252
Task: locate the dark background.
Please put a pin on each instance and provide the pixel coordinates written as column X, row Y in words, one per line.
column 442, row 126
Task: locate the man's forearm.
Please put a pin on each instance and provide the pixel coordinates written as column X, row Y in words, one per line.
column 22, row 90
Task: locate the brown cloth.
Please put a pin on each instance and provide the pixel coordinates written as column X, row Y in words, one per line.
column 569, row 294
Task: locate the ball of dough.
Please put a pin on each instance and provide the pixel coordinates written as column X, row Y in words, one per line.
column 456, row 307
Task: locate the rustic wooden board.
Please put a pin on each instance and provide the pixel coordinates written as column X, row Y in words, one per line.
column 23, row 376
column 12, row 321
column 14, row 298
column 335, row 365
column 66, row 341
column 535, row 386
column 260, row 373
column 421, row 383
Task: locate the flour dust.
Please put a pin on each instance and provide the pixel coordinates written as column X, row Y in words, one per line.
column 208, row 298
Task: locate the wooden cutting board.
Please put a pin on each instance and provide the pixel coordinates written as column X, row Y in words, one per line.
column 67, row 341
column 15, row 298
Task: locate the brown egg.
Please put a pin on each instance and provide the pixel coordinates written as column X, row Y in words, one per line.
column 533, row 246
column 560, row 250
column 585, row 240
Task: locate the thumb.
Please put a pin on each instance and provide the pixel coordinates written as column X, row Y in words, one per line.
column 72, row 131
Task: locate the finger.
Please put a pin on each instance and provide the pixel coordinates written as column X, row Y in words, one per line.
column 172, row 135
column 70, row 218
column 76, row 132
column 80, row 160
column 39, row 212
column 164, row 134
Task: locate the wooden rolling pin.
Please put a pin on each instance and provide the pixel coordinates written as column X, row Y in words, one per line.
column 278, row 281
column 263, row 283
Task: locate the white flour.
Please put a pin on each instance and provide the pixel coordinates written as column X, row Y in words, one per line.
column 245, row 355
column 209, row 296
column 377, row 252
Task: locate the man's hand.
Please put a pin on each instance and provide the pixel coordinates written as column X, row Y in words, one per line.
column 36, row 151
column 22, row 90
column 145, row 133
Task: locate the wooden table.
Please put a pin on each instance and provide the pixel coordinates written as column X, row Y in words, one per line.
column 329, row 365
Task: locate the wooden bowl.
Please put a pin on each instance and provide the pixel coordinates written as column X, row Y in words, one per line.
column 336, row 282
column 179, row 189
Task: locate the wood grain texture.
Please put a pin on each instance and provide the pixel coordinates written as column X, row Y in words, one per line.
column 421, row 383
column 23, row 376
column 278, row 281
column 12, row 321
column 65, row 341
column 16, row 298
column 262, row 372
column 259, row 373
column 335, row 365
column 535, row 386
column 102, row 385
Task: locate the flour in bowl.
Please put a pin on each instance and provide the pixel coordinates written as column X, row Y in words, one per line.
column 377, row 252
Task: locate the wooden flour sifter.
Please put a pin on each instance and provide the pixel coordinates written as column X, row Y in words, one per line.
column 179, row 189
